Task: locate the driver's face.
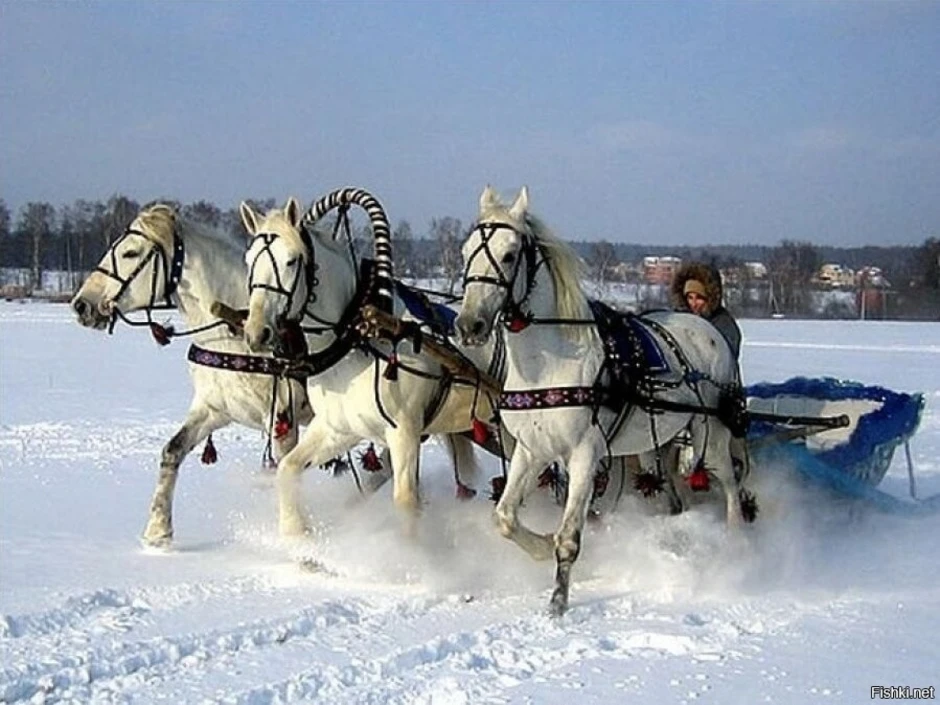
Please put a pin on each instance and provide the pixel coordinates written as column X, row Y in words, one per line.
column 697, row 303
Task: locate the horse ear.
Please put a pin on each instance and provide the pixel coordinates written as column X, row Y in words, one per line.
column 249, row 218
column 521, row 205
column 488, row 199
column 292, row 211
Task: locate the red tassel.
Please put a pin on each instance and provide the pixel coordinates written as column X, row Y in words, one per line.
column 370, row 459
column 209, row 453
column 698, row 480
column 464, row 492
column 282, row 425
column 480, row 432
column 517, row 324
column 162, row 334
column 498, row 484
column 391, row 371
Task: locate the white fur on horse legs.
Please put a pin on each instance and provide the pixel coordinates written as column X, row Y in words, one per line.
column 718, row 460
column 198, row 425
column 521, row 466
column 581, row 471
column 317, row 445
column 462, row 455
column 404, row 445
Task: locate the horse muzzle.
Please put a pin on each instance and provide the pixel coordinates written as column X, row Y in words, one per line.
column 259, row 338
column 472, row 331
column 91, row 315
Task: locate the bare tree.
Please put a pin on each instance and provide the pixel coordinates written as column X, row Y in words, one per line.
column 601, row 260
column 792, row 265
column 447, row 233
column 37, row 222
column 119, row 212
column 203, row 212
column 4, row 234
column 402, row 245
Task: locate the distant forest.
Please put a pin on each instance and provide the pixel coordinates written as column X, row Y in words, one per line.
column 72, row 237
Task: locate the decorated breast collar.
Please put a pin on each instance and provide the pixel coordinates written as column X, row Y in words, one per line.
column 239, row 362
column 346, row 328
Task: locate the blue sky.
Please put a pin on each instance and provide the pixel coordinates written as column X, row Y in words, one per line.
column 652, row 122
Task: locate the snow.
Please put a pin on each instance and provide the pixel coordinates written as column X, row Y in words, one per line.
column 817, row 602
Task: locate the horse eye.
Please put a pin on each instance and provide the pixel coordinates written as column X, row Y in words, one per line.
column 291, row 262
column 509, row 257
column 133, row 254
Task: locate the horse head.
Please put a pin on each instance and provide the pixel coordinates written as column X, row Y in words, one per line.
column 139, row 270
column 497, row 250
column 281, row 271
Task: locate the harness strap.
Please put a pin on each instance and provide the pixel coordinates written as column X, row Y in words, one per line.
column 240, row 362
column 728, row 410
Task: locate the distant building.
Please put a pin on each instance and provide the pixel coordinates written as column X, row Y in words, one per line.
column 755, row 270
column 871, row 277
column 660, row 270
column 835, row 276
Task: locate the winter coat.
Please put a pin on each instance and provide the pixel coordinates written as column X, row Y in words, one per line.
column 710, row 278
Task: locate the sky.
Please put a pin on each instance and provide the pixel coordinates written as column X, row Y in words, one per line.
column 678, row 123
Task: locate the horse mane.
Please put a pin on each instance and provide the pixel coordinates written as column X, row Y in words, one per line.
column 565, row 266
column 160, row 219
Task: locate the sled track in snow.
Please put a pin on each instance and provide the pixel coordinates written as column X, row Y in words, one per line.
column 62, row 668
column 374, row 666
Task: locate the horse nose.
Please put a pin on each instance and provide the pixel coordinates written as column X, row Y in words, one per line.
column 470, row 329
column 266, row 334
column 79, row 306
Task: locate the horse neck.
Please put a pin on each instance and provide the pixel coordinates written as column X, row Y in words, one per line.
column 212, row 272
column 335, row 289
column 550, row 353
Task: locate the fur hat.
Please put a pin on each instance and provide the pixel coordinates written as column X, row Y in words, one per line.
column 694, row 286
column 701, row 278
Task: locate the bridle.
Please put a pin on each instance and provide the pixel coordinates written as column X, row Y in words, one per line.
column 171, row 268
column 308, row 271
column 514, row 314
column 279, row 287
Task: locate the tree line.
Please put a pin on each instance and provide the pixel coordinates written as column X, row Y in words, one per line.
column 72, row 238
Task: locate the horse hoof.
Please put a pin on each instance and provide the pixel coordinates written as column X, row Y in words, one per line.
column 294, row 530
column 161, row 543
column 558, row 604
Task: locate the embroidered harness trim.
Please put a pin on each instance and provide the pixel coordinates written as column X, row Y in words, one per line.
column 238, row 362
column 550, row 398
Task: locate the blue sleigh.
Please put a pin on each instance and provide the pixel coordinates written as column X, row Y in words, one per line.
column 849, row 461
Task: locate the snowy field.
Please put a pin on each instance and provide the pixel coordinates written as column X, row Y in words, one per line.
column 816, row 603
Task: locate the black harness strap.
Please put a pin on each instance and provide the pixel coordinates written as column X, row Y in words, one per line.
column 237, row 362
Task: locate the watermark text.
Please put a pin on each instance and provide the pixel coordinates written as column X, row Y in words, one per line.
column 902, row 692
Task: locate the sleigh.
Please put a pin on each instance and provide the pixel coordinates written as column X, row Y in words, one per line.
column 849, row 459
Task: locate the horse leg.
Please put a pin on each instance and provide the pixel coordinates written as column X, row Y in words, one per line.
column 717, row 458
column 198, row 425
column 581, row 469
column 404, row 445
column 670, row 464
column 462, row 455
column 317, row 445
column 521, row 467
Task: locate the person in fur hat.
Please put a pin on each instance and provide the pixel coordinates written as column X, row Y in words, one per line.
column 696, row 288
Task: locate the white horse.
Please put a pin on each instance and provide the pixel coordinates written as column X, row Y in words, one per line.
column 360, row 389
column 554, row 403
column 164, row 260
